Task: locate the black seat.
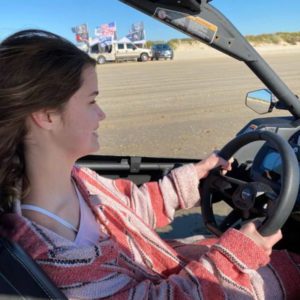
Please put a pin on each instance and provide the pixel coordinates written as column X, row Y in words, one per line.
column 21, row 277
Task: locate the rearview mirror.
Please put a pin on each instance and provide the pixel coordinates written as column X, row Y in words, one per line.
column 261, row 101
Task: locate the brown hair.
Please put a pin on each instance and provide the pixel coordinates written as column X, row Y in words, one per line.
column 39, row 70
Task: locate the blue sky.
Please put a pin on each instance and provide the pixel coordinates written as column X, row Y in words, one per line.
column 251, row 17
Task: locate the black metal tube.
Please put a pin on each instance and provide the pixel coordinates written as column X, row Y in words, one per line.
column 124, row 167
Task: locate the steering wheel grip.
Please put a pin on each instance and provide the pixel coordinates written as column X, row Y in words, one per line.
column 284, row 204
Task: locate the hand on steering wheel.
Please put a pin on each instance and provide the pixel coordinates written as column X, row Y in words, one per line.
column 211, row 162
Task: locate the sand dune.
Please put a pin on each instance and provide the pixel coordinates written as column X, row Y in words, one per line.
column 199, row 50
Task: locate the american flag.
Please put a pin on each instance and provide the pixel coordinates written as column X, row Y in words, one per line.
column 136, row 32
column 107, row 29
column 105, row 41
column 81, row 33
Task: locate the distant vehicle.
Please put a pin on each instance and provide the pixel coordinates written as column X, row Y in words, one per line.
column 162, row 51
column 119, row 51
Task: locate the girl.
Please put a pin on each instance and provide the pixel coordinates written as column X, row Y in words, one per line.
column 95, row 236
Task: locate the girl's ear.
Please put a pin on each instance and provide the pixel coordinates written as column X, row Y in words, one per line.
column 44, row 118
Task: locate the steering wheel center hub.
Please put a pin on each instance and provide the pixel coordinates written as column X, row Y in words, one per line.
column 245, row 198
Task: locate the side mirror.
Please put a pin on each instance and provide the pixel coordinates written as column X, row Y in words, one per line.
column 261, row 101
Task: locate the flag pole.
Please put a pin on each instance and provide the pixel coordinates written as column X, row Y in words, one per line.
column 88, row 37
column 115, row 35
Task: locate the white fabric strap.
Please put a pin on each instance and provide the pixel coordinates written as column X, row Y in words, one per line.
column 50, row 215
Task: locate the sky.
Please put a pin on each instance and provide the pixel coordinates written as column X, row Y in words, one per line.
column 59, row 16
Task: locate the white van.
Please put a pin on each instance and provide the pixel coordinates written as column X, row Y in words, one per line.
column 119, row 51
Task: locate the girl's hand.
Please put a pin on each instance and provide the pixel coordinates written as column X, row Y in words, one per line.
column 212, row 161
column 266, row 242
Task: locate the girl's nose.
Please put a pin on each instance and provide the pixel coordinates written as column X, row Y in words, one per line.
column 101, row 114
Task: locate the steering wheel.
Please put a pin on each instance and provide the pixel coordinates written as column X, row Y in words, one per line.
column 245, row 197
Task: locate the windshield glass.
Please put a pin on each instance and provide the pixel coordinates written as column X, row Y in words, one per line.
column 181, row 108
column 186, row 106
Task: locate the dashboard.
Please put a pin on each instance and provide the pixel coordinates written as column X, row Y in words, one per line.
column 271, row 164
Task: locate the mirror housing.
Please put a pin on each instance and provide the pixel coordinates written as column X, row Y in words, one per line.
column 261, row 101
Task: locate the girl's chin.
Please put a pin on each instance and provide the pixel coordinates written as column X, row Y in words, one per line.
column 93, row 149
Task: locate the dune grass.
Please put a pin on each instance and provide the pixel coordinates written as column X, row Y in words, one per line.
column 291, row 38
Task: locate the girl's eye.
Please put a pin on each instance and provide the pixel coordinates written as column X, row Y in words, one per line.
column 93, row 102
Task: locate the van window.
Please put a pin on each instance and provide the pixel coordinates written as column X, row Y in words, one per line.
column 121, row 46
column 130, row 46
column 95, row 48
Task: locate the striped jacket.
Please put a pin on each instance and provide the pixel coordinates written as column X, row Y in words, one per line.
column 131, row 261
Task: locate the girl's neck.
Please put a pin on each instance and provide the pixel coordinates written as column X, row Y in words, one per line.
column 50, row 182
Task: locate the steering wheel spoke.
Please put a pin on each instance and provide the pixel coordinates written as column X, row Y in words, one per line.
column 232, row 180
column 225, row 186
column 230, row 220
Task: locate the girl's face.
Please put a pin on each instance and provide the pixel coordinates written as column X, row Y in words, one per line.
column 77, row 130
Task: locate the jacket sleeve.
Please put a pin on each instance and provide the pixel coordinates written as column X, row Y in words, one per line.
column 156, row 202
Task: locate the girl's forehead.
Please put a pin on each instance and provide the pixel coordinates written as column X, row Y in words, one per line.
column 89, row 77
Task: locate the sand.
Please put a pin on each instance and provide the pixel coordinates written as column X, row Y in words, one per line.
column 182, row 108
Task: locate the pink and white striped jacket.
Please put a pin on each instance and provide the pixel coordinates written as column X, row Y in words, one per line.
column 132, row 262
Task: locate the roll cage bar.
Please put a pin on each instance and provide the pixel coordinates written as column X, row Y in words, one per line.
column 202, row 21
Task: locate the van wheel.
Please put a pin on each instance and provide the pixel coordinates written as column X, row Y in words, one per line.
column 144, row 57
column 101, row 60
